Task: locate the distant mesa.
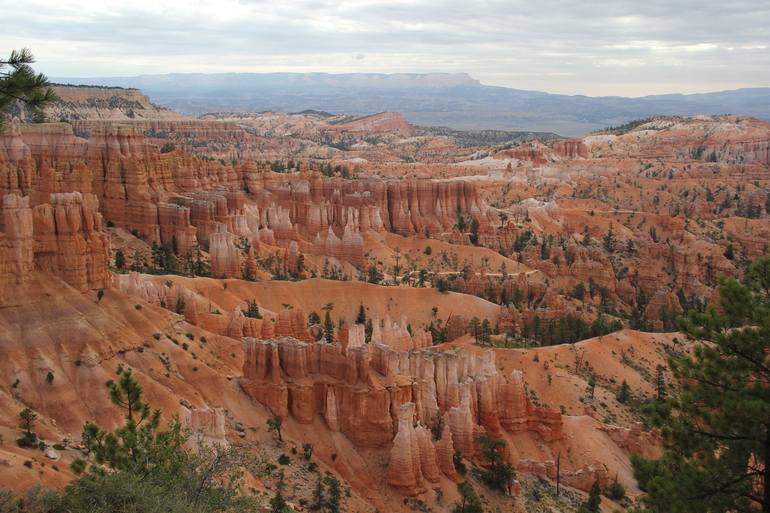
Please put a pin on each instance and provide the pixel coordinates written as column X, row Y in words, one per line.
column 454, row 100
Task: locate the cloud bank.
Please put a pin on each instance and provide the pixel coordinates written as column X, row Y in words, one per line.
column 621, row 47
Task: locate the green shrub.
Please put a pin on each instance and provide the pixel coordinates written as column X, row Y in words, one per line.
column 615, row 491
column 78, row 466
column 27, row 440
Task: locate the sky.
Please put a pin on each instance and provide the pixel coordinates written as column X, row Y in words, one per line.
column 607, row 47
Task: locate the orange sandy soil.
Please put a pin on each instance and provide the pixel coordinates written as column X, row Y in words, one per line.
column 81, row 342
column 311, row 295
column 551, row 379
column 383, row 246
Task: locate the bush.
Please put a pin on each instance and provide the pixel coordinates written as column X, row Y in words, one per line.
column 500, row 475
column 443, row 285
column 284, row 460
column 167, row 478
column 615, row 491
column 27, row 440
column 78, row 466
column 457, row 459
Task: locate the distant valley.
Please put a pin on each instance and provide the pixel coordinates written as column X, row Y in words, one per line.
column 454, row 100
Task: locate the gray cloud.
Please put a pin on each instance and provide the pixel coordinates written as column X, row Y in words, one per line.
column 590, row 47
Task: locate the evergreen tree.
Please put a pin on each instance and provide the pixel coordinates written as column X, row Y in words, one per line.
column 278, row 504
column 28, row 418
column 20, row 84
column 328, row 323
column 609, row 241
column 333, row 494
column 368, row 330
column 120, row 259
column 594, row 501
column 579, row 292
column 545, row 250
column 474, row 328
column 625, row 392
column 274, row 424
column 180, row 305
column 469, row 500
column 361, row 317
column 660, row 383
column 486, row 330
column 318, row 495
column 252, row 309
column 500, row 474
column 127, row 394
column 718, row 441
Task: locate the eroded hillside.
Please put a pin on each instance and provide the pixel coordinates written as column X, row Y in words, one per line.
column 392, row 295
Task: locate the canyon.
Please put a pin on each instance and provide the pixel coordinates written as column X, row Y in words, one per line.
column 497, row 291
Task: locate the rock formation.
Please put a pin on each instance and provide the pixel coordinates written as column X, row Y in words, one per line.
column 374, row 393
column 225, row 255
column 63, row 237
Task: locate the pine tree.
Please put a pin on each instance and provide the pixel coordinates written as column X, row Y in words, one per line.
column 625, row 392
column 28, row 418
column 278, row 504
column 318, row 495
column 20, row 84
column 594, row 501
column 609, row 241
column 486, row 330
column 180, row 305
column 328, row 323
column 717, row 442
column 120, row 259
column 469, row 500
column 274, row 424
column 474, row 329
column 127, row 393
column 252, row 309
column 361, row 317
column 334, row 494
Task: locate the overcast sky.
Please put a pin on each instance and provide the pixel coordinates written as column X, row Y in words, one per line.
column 623, row 47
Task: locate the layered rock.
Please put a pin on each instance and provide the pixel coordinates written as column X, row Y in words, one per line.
column 225, row 255
column 445, row 452
column 372, row 393
column 396, row 335
column 69, row 241
column 405, row 465
column 16, row 244
column 63, row 237
column 177, row 200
